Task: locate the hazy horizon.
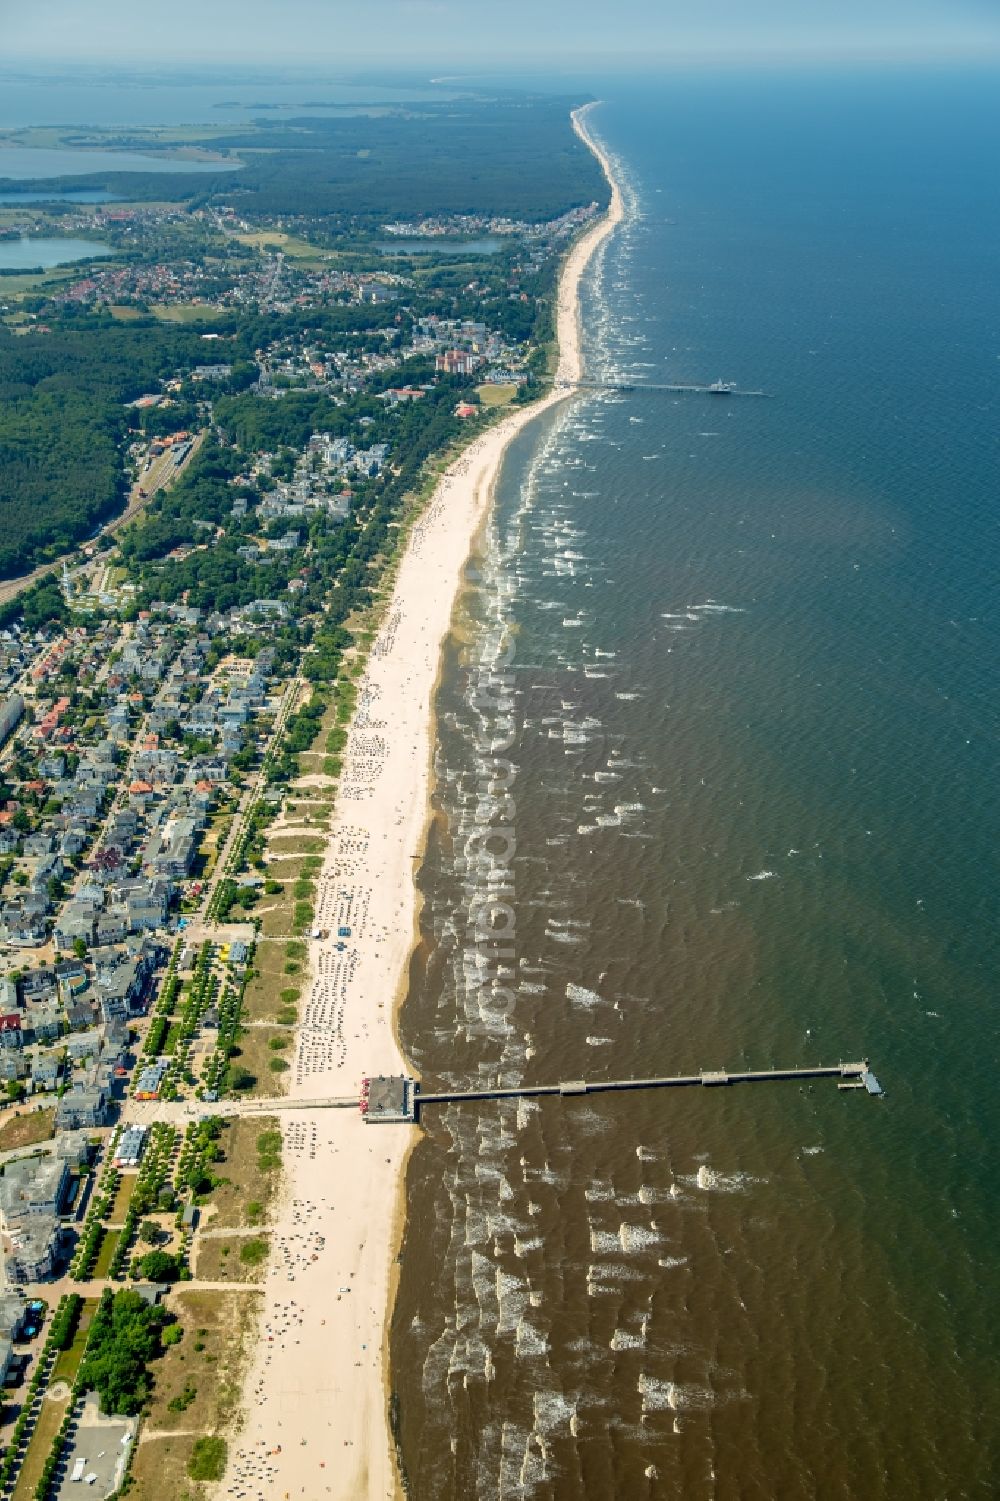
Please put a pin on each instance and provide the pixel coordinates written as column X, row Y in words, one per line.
column 436, row 33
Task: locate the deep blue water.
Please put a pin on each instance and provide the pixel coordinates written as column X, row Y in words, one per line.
column 755, row 724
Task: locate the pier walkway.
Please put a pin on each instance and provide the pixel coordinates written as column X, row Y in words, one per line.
column 401, row 1099
column 629, row 387
column 845, row 1071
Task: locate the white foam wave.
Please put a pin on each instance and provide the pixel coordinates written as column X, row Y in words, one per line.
column 581, row 996
column 622, row 1339
column 708, row 1180
column 635, row 1238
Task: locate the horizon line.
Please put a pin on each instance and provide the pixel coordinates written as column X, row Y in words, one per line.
column 981, row 53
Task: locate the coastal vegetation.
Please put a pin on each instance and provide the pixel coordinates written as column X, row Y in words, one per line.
column 125, row 1338
column 208, row 1459
column 197, row 1389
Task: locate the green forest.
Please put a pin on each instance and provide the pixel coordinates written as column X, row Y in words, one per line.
column 62, row 418
column 125, row 1337
column 514, row 156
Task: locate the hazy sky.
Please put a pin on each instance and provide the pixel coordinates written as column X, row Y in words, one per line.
column 485, row 32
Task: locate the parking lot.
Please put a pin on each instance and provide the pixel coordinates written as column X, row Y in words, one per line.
column 100, row 1443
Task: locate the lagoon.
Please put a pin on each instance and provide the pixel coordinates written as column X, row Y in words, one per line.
column 21, row 163
column 434, row 246
column 123, row 98
column 28, row 252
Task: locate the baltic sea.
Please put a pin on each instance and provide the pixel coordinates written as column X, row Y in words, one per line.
column 752, row 711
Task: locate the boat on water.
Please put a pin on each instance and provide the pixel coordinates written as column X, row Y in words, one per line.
column 722, row 388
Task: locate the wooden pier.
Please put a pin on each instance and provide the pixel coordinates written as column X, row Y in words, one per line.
column 402, row 1100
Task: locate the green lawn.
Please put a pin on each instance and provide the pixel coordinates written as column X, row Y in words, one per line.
column 123, row 1198
column 104, row 1255
column 68, row 1361
column 14, row 286
column 187, row 312
column 289, row 244
column 42, row 1440
column 496, row 396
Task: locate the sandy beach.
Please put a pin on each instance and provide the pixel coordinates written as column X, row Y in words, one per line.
column 314, row 1417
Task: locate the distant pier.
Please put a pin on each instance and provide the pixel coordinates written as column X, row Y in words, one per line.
column 400, row 1100
column 717, row 388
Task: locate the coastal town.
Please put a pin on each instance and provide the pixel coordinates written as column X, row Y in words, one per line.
column 497, row 607
column 179, row 693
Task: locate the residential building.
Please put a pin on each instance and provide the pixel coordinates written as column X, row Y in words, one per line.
column 10, row 1030
column 121, row 990
column 45, row 1073
column 82, row 1108
column 38, row 985
column 71, row 979
column 171, row 849
column 12, row 1065
column 24, row 921
column 43, row 1021
column 32, row 1192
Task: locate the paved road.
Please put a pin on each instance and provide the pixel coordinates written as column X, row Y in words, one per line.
column 181, row 1112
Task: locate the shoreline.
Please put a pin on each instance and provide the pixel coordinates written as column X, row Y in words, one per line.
column 314, row 1413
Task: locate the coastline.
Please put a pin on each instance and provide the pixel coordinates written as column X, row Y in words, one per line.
column 314, row 1410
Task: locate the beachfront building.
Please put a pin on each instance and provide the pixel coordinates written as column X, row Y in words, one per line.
column 32, row 1193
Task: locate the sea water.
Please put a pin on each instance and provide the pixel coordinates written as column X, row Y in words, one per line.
column 739, row 656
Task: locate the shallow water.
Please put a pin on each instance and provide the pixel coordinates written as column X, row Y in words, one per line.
column 25, row 163
column 434, row 246
column 38, row 250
